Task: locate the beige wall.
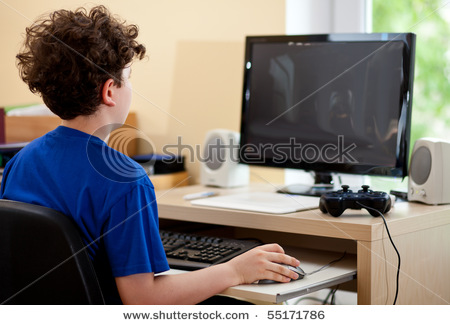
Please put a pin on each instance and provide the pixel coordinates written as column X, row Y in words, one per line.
column 192, row 81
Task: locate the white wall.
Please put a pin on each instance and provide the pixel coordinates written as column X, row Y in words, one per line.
column 327, row 16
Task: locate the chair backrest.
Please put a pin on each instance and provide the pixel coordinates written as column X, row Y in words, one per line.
column 43, row 259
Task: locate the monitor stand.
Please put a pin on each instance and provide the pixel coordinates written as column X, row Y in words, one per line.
column 323, row 182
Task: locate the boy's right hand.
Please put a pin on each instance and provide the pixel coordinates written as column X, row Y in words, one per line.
column 263, row 263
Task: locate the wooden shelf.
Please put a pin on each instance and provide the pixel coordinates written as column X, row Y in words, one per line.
column 169, row 181
column 28, row 128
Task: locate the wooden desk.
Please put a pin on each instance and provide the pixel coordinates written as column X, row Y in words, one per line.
column 420, row 232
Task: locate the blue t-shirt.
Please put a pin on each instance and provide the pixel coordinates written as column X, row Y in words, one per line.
column 107, row 194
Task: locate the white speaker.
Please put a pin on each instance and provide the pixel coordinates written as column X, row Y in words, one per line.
column 220, row 165
column 429, row 172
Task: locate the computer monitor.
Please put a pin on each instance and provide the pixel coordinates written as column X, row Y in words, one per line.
column 335, row 103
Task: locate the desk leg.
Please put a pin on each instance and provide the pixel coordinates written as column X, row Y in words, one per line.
column 425, row 266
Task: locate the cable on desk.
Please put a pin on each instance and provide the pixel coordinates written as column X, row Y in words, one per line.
column 392, row 242
column 332, row 292
column 327, row 265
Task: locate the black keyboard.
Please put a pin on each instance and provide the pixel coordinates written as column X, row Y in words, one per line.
column 192, row 252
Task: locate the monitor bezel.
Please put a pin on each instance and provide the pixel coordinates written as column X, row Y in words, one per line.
column 402, row 158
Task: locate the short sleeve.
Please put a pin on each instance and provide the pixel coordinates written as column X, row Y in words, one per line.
column 131, row 237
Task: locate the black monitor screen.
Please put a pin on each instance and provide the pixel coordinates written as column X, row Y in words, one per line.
column 328, row 103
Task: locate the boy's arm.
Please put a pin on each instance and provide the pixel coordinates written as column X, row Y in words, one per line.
column 193, row 287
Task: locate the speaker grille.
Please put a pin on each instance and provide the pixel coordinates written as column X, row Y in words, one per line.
column 420, row 165
column 215, row 153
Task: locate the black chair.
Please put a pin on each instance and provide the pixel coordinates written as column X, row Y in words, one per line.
column 43, row 259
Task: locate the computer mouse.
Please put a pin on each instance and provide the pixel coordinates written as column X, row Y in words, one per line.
column 298, row 270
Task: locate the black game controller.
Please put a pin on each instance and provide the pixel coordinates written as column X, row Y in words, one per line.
column 336, row 202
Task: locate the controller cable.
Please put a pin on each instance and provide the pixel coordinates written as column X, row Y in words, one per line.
column 392, row 242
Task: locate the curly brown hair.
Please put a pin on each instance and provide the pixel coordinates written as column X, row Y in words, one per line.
column 68, row 56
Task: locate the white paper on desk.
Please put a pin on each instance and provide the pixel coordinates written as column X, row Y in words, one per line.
column 265, row 202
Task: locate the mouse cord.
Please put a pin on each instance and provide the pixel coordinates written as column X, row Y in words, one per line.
column 393, row 245
column 327, row 265
column 331, row 294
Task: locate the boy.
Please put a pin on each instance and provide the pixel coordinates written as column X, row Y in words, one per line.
column 79, row 62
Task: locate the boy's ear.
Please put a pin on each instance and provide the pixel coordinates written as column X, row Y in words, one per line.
column 107, row 93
